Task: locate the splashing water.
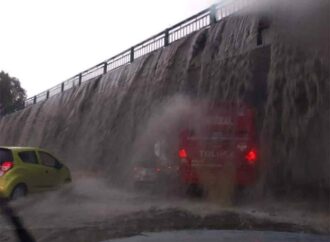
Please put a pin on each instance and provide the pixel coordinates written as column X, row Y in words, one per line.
column 100, row 126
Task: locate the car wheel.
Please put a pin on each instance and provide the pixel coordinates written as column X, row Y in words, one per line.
column 243, row 195
column 195, row 191
column 139, row 186
column 67, row 180
column 18, row 192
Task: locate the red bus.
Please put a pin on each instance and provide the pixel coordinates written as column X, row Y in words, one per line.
column 222, row 144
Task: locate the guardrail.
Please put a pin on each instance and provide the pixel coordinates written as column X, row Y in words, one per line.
column 180, row 30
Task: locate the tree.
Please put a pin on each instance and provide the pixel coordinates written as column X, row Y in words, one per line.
column 12, row 95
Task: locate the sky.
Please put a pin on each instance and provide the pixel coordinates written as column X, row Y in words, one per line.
column 45, row 42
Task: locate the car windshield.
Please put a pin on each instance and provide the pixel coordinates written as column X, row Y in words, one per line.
column 168, row 120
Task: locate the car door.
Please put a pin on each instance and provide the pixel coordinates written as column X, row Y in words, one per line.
column 33, row 174
column 52, row 174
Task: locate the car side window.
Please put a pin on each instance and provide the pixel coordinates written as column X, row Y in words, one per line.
column 28, row 157
column 47, row 159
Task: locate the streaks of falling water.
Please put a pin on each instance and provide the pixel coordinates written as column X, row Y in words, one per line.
column 95, row 127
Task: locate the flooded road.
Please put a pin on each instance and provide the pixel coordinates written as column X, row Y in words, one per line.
column 90, row 210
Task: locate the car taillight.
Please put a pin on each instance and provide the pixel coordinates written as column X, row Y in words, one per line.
column 251, row 157
column 6, row 166
column 183, row 154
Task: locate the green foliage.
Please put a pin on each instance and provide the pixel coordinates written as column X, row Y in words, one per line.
column 12, row 95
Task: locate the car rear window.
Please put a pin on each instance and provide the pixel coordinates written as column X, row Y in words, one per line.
column 217, row 134
column 5, row 155
column 28, row 157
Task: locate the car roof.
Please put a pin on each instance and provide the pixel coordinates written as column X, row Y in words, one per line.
column 19, row 148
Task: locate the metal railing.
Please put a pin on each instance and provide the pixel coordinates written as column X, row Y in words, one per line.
column 197, row 22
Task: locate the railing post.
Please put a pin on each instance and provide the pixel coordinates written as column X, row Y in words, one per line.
column 34, row 99
column 132, row 55
column 80, row 79
column 166, row 37
column 47, row 94
column 105, row 67
column 213, row 14
column 62, row 87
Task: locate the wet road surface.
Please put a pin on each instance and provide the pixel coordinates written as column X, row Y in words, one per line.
column 89, row 210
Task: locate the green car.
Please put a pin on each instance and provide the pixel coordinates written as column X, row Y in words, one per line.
column 29, row 169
